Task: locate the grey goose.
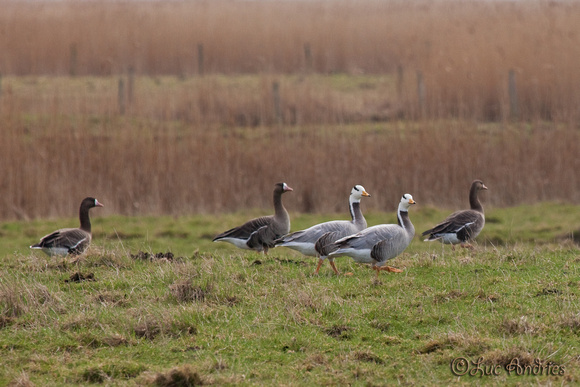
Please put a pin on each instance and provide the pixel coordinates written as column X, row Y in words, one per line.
column 461, row 227
column 259, row 234
column 73, row 241
column 318, row 240
column 377, row 244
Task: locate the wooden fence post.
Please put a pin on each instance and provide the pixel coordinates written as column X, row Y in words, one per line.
column 513, row 95
column 73, row 60
column 276, row 98
column 400, row 74
column 421, row 94
column 307, row 57
column 121, row 96
column 130, row 86
column 200, row 59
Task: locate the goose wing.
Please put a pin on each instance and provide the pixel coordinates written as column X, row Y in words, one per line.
column 326, row 243
column 463, row 223
column 265, row 236
column 312, row 234
column 245, row 230
column 73, row 239
column 369, row 237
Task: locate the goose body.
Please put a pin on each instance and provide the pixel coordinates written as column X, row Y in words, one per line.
column 461, row 227
column 260, row 233
column 318, row 240
column 73, row 241
column 376, row 245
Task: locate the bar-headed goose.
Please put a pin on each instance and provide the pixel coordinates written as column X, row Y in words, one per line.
column 259, row 234
column 377, row 244
column 72, row 241
column 318, row 240
column 462, row 226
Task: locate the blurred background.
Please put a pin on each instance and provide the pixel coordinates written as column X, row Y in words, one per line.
column 202, row 106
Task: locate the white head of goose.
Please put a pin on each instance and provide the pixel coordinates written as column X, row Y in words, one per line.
column 72, row 241
column 377, row 244
column 318, row 240
column 461, row 227
column 259, row 234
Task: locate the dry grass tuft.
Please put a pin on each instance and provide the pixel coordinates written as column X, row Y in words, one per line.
column 19, row 299
column 503, row 357
column 148, row 329
column 185, row 291
column 467, row 344
column 146, row 256
column 571, row 322
column 448, row 296
column 98, row 341
column 79, row 277
column 481, row 295
column 382, row 326
column 341, row 332
column 22, row 380
column 177, row 377
column 367, row 356
column 111, row 299
column 519, row 326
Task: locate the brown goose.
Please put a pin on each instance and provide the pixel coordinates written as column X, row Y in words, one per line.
column 377, row 244
column 462, row 226
column 259, row 234
column 72, row 241
column 318, row 240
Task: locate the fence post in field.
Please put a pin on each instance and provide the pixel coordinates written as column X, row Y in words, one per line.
column 130, row 86
column 200, row 59
column 73, row 60
column 121, row 96
column 307, row 57
column 513, row 94
column 276, row 98
column 421, row 93
column 400, row 74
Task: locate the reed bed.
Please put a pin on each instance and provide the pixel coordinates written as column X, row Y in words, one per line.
column 141, row 167
column 462, row 51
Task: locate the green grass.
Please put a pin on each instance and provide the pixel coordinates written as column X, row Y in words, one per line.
column 218, row 315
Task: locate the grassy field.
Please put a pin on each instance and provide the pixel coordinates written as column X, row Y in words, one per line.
column 212, row 314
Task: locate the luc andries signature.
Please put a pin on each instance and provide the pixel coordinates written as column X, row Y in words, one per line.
column 461, row 366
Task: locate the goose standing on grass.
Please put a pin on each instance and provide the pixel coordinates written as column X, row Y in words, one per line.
column 318, row 240
column 461, row 226
column 377, row 244
column 73, row 241
column 259, row 234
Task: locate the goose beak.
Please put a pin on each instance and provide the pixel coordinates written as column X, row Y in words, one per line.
column 365, row 193
column 288, row 188
column 97, row 204
column 411, row 201
column 483, row 186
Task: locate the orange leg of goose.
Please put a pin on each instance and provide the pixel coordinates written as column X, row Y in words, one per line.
column 467, row 246
column 331, row 261
column 318, row 266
